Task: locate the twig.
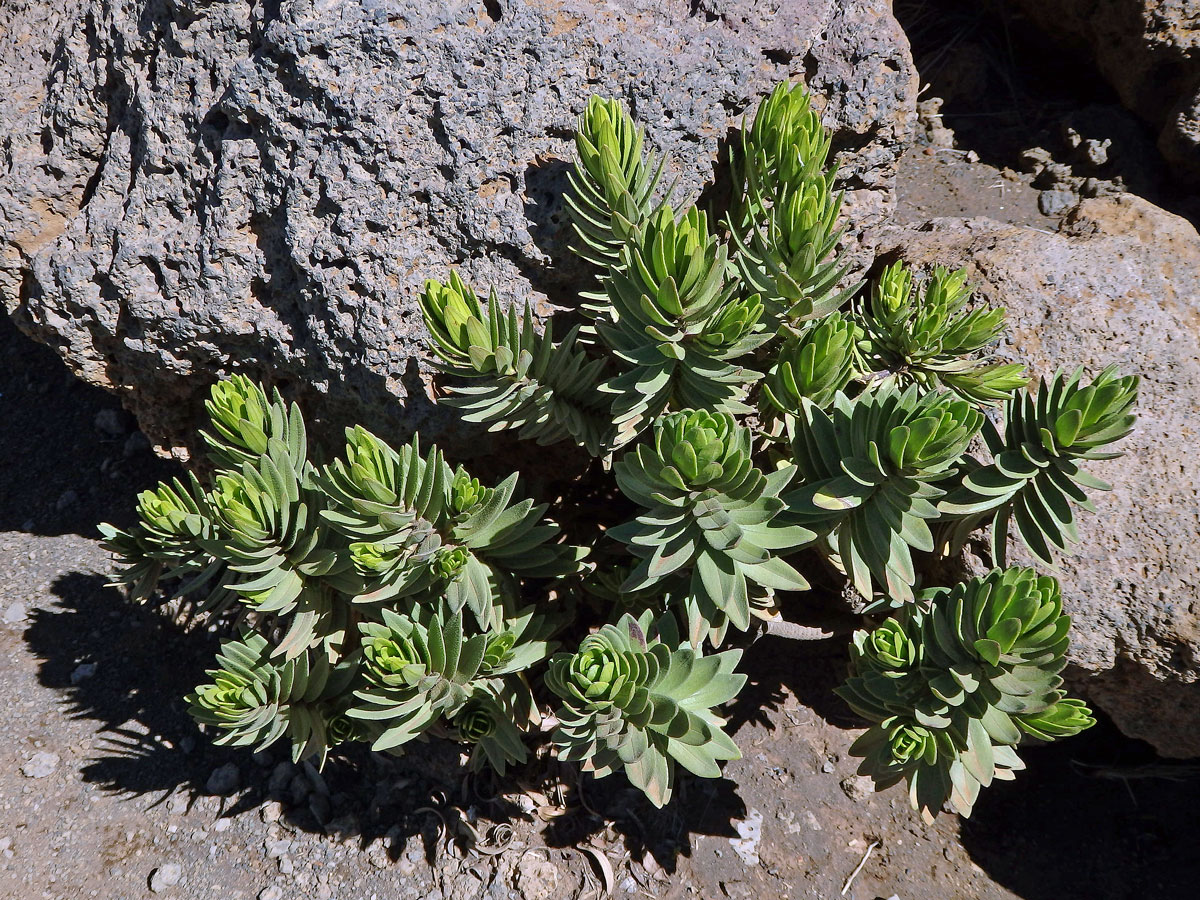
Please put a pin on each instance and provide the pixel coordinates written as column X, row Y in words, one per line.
column 862, row 862
column 794, row 632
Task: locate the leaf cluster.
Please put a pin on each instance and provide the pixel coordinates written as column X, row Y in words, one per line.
column 953, row 683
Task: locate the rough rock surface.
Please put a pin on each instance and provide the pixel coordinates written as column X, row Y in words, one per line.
column 1149, row 50
column 1121, row 286
column 191, row 189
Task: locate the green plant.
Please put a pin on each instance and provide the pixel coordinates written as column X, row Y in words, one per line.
column 872, row 468
column 637, row 698
column 709, row 512
column 759, row 422
column 925, row 335
column 1036, row 479
column 955, row 681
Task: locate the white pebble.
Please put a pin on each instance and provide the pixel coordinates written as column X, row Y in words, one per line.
column 165, row 876
column 40, row 765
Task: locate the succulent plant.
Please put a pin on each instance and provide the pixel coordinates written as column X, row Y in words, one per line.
column 516, row 378
column 710, row 512
column 1037, row 480
column 413, row 674
column 953, row 683
column 638, row 700
column 783, row 146
column 870, row 473
column 245, row 422
column 783, row 222
column 926, row 336
column 613, row 183
column 254, row 699
column 814, row 365
column 676, row 324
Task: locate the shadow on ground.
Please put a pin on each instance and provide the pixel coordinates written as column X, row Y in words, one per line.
column 1007, row 88
column 1095, row 816
column 74, row 454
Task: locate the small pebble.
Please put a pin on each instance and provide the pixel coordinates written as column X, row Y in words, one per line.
column 274, row 892
column 858, row 787
column 67, row 498
column 1053, row 203
column 15, row 614
column 271, row 811
column 223, row 780
column 222, row 825
column 82, row 672
column 749, row 836
column 286, row 866
column 276, row 849
column 109, row 423
column 40, row 765
column 165, row 877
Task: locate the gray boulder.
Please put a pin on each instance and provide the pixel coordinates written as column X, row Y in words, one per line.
column 194, row 188
column 1122, row 285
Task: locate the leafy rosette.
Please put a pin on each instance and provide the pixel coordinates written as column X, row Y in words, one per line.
column 1037, row 479
column 926, row 336
column 514, row 377
column 1066, row 717
column 425, row 667
column 641, row 701
column 784, row 218
column 954, row 682
column 814, row 365
column 268, row 533
column 424, row 528
column 244, row 423
column 710, row 512
column 871, row 469
column 791, row 258
column 377, row 493
column 488, row 722
column 413, row 674
column 613, row 182
column 254, row 699
column 677, row 323
column 940, row 765
column 783, row 147
column 168, row 543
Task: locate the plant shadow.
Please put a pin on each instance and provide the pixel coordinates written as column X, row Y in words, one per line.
column 128, row 667
column 1099, row 815
column 140, row 663
column 89, row 456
